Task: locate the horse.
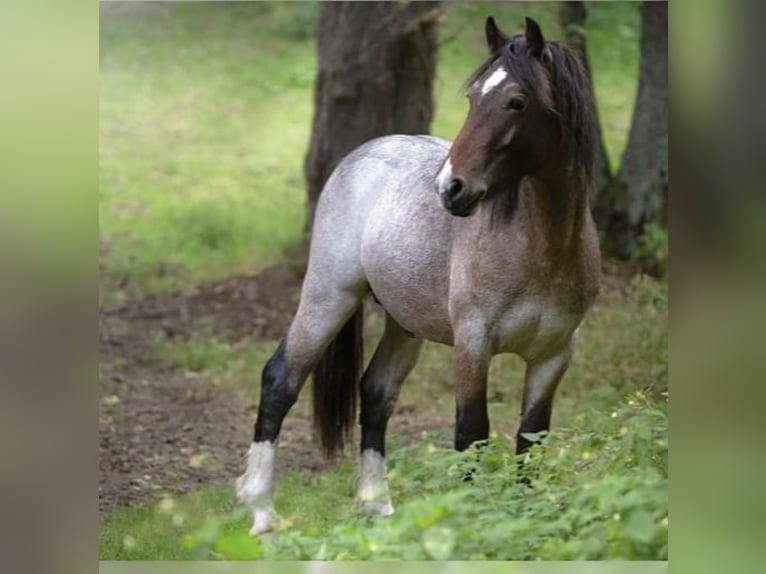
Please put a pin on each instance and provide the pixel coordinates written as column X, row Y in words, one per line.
column 486, row 244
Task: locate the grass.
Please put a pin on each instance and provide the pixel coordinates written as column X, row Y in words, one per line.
column 614, row 32
column 205, row 112
column 205, row 353
column 609, row 432
column 600, row 493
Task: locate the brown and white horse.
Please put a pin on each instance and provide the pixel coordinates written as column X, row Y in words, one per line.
column 486, row 244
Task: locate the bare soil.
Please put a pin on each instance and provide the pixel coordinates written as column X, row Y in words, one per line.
column 171, row 431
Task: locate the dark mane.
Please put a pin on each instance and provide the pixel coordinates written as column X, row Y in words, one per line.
column 570, row 89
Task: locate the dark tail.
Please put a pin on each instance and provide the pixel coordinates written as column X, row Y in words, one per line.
column 336, row 378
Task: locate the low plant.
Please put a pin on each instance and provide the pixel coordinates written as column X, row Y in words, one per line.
column 595, row 491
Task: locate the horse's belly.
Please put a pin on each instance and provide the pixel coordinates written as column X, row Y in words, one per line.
column 423, row 317
column 414, row 291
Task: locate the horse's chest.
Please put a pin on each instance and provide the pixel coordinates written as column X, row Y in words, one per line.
column 533, row 325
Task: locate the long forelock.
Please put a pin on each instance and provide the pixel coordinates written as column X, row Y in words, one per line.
column 524, row 69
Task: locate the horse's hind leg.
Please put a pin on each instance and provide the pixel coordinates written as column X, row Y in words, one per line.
column 316, row 322
column 394, row 358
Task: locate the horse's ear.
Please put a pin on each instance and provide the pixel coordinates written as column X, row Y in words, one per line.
column 496, row 38
column 535, row 40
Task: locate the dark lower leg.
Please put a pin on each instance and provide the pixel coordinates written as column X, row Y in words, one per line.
column 536, row 418
column 470, row 365
column 541, row 380
column 377, row 405
column 394, row 358
column 277, row 396
column 374, row 422
column 472, row 422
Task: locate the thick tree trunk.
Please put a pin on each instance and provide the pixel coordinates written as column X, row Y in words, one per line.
column 639, row 193
column 573, row 17
column 376, row 72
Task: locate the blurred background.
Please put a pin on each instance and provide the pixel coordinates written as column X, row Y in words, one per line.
column 206, row 118
column 218, row 124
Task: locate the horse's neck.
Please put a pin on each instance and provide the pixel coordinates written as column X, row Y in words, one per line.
column 553, row 211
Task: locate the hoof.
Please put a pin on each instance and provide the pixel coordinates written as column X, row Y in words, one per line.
column 264, row 520
column 377, row 508
column 251, row 494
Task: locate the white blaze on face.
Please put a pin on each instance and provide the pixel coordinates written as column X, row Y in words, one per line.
column 444, row 177
column 494, row 79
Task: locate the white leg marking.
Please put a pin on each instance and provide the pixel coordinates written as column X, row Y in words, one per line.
column 255, row 487
column 373, row 487
column 444, row 177
column 494, row 79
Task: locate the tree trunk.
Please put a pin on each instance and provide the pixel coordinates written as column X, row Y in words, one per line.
column 639, row 194
column 376, row 73
column 572, row 17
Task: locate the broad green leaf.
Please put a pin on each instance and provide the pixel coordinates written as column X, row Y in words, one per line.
column 239, row 546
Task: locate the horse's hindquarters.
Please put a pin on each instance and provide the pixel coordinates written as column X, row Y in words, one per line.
column 406, row 246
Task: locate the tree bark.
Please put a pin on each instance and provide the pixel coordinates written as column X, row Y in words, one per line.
column 376, row 73
column 639, row 193
column 573, row 17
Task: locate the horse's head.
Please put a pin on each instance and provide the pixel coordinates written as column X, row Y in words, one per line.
column 513, row 125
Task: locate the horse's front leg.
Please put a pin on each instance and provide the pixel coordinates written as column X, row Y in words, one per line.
column 470, row 366
column 540, row 382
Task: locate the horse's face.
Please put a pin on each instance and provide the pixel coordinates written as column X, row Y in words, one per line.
column 509, row 131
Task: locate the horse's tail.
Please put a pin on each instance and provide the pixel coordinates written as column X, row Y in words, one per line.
column 336, row 379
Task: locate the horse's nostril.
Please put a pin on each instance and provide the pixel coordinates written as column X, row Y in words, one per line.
column 455, row 188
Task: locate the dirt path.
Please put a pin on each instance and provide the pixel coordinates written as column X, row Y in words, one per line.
column 170, row 431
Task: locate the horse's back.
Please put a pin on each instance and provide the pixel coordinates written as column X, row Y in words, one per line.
column 393, row 159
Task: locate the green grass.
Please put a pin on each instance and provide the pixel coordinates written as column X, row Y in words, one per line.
column 205, row 113
column 607, row 457
column 204, row 352
column 614, row 32
column 600, row 492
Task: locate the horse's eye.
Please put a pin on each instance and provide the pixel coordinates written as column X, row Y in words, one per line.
column 516, row 103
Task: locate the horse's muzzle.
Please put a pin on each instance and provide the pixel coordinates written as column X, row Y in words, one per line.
column 458, row 200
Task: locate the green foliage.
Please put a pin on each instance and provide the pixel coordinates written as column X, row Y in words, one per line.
column 598, row 490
